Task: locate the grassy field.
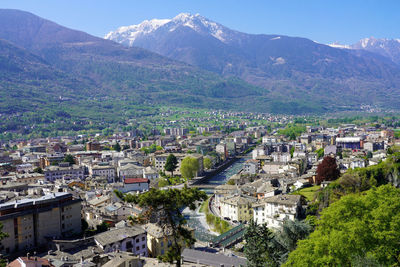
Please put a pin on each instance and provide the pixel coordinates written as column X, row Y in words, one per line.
column 308, row 192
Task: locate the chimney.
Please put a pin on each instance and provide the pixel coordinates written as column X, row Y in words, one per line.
column 27, row 255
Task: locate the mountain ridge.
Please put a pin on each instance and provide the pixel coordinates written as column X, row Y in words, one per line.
column 291, row 67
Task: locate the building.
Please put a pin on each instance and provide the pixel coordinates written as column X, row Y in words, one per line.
column 374, row 146
column 273, row 210
column 64, row 171
column 30, row 222
column 150, row 173
column 132, row 239
column 105, row 171
column 237, row 208
column 281, row 157
column 161, row 160
column 93, row 146
column 349, row 142
column 130, row 171
column 135, row 184
column 251, row 166
column 158, row 243
column 30, row 261
column 51, row 159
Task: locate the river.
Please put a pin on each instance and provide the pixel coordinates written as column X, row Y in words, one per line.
column 197, row 220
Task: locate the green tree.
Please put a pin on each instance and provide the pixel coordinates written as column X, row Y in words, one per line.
column 189, row 167
column 117, row 147
column 285, row 239
column 320, row 152
column 363, row 227
column 256, row 249
column 171, row 164
column 38, row 170
column 166, row 207
column 2, row 236
column 291, row 151
column 104, row 226
column 207, row 163
column 69, row 158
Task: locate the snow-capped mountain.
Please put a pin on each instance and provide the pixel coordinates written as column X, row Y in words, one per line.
column 128, row 35
column 389, row 48
column 297, row 68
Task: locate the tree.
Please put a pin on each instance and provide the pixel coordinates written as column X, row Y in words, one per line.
column 171, row 164
column 320, row 152
column 104, row 226
column 165, row 206
column 38, row 170
column 117, row 147
column 285, row 239
column 327, row 170
column 189, row 167
column 256, row 249
column 69, row 158
column 2, row 236
column 358, row 227
column 207, row 163
column 292, row 151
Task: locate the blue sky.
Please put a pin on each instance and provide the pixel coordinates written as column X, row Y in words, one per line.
column 319, row 20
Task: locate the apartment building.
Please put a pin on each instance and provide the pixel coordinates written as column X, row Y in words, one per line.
column 63, row 171
column 30, row 222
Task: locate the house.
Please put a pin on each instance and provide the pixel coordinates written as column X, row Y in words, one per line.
column 130, row 171
column 251, row 166
column 222, row 191
column 30, row 261
column 273, row 210
column 281, row 157
column 273, row 167
column 237, row 208
column 64, row 171
column 132, row 239
column 135, row 184
column 150, row 173
column 330, row 150
column 106, row 171
column 159, row 240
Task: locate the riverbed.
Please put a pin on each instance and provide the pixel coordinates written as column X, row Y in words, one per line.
column 197, row 220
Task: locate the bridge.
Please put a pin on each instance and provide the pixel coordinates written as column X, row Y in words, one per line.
column 229, row 238
column 204, row 186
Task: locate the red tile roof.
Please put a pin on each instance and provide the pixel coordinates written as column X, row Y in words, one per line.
column 17, row 262
column 136, row 180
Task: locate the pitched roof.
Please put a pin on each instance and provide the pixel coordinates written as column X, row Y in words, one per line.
column 136, row 180
column 212, row 259
column 118, row 234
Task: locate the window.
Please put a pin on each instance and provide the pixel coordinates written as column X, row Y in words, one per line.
column 143, row 246
column 143, row 238
column 137, row 248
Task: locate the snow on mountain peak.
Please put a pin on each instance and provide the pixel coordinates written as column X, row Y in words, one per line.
column 338, row 45
column 128, row 34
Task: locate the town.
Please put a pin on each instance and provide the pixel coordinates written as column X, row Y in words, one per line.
column 65, row 201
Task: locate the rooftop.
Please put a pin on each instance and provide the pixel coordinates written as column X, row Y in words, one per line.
column 118, row 234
